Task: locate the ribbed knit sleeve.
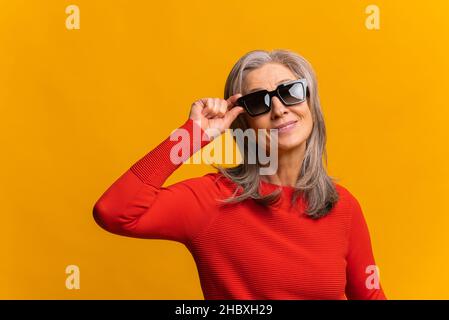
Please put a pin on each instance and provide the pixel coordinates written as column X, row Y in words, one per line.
column 363, row 275
column 155, row 167
column 136, row 204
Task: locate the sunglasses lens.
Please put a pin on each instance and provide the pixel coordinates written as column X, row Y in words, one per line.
column 257, row 103
column 293, row 93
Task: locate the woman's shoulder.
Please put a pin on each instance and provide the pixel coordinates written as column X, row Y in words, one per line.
column 347, row 200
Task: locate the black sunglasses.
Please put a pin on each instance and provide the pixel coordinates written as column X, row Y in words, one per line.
column 259, row 102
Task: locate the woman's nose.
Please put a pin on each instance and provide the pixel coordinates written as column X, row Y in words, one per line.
column 277, row 107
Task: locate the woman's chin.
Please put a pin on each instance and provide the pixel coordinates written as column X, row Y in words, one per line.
column 291, row 141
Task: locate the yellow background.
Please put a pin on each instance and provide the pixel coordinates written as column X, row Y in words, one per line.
column 79, row 107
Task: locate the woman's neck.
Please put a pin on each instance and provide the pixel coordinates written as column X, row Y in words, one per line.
column 289, row 167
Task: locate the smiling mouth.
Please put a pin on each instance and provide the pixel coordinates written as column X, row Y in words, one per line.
column 288, row 127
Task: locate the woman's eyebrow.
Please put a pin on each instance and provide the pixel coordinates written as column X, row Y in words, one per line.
column 279, row 82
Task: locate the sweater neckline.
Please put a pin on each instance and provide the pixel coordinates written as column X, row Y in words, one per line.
column 270, row 187
column 284, row 202
column 263, row 182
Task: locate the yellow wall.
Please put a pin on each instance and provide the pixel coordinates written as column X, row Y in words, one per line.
column 79, row 107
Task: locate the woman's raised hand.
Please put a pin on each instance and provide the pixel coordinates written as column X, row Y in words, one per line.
column 214, row 114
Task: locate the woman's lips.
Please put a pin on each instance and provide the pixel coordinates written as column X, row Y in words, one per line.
column 287, row 128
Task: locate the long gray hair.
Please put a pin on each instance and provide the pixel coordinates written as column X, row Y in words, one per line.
column 314, row 184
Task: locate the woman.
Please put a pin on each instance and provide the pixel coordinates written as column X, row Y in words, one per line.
column 293, row 234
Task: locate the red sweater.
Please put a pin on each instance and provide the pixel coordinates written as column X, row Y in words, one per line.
column 245, row 250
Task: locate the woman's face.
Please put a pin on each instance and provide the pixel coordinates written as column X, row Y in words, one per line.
column 268, row 77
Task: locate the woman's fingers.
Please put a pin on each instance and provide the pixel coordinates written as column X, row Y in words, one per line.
column 232, row 100
column 222, row 112
column 218, row 114
column 232, row 114
column 208, row 110
column 223, row 108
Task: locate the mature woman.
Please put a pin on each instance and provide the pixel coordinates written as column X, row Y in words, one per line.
column 293, row 234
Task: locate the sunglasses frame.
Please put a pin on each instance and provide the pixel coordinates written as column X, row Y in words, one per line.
column 241, row 101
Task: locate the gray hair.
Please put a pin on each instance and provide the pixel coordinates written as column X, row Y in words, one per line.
column 314, row 184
